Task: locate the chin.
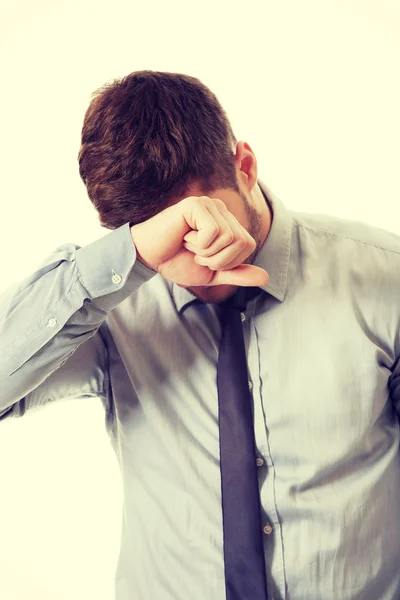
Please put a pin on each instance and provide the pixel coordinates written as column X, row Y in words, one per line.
column 213, row 294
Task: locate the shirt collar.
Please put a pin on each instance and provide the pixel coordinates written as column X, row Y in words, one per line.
column 273, row 256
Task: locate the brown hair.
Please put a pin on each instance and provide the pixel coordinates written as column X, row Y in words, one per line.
column 146, row 138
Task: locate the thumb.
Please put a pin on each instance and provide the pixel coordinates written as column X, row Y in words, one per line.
column 243, row 275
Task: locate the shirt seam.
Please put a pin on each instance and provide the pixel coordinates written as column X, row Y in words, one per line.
column 345, row 237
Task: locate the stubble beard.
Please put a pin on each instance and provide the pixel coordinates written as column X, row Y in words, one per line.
column 255, row 228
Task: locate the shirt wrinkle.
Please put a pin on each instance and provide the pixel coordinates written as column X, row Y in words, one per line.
column 322, row 346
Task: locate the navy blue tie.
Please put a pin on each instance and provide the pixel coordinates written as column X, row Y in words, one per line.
column 245, row 575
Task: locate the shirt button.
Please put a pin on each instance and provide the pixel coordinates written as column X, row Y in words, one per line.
column 250, row 385
column 243, row 316
column 267, row 529
column 116, row 278
column 51, row 322
column 259, row 461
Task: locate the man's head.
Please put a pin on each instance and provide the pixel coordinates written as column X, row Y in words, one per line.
column 153, row 138
column 250, row 208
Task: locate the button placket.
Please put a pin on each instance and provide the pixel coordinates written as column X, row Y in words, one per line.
column 267, row 529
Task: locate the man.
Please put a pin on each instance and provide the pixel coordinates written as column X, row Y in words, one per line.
column 134, row 318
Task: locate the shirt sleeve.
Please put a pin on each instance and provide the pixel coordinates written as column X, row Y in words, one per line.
column 50, row 344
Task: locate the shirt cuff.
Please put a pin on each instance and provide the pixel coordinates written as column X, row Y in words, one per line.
column 109, row 268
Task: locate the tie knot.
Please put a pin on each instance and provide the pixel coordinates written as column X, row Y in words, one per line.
column 240, row 298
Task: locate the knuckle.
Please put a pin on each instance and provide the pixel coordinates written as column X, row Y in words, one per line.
column 214, row 229
column 204, row 253
column 220, row 203
column 242, row 242
column 253, row 242
column 228, row 237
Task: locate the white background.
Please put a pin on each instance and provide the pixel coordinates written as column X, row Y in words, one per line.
column 312, row 86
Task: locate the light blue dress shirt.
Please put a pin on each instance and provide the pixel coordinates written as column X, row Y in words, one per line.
column 323, row 348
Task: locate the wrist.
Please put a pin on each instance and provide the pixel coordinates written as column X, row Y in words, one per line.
column 138, row 255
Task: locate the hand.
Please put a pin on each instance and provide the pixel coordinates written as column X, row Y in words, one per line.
column 197, row 242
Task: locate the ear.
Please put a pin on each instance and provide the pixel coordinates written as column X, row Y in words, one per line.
column 246, row 165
